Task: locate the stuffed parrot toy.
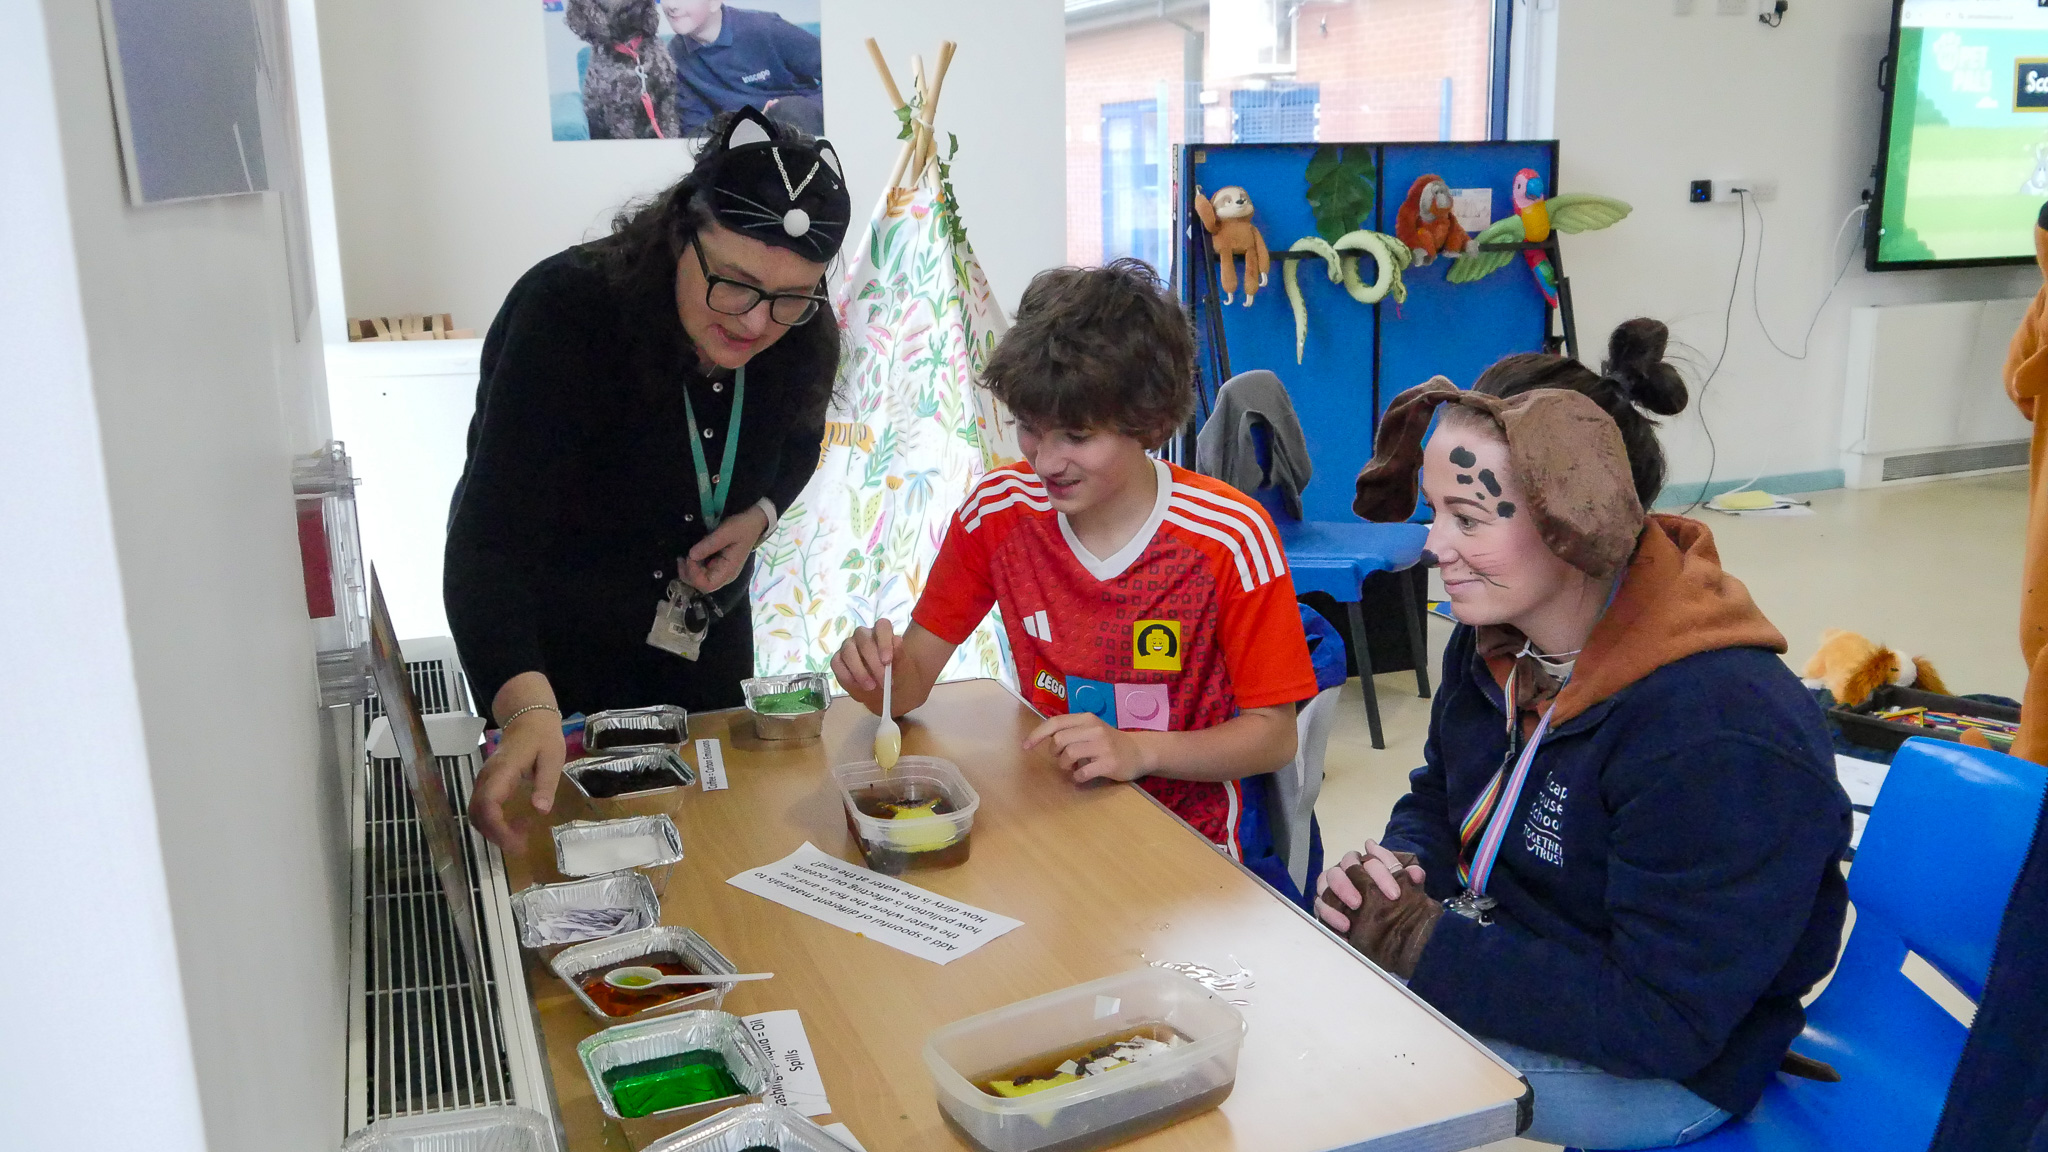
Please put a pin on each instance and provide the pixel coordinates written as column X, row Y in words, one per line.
column 1536, row 214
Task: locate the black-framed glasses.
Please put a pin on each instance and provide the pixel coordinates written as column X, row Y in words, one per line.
column 736, row 298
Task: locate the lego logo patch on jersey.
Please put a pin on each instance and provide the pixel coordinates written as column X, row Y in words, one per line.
column 1155, row 645
column 1047, row 682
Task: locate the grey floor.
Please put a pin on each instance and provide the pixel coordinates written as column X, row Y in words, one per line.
column 1932, row 569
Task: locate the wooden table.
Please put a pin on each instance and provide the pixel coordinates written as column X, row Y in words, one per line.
column 1337, row 1055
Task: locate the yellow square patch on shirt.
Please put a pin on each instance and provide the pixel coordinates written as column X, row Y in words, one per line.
column 1155, row 645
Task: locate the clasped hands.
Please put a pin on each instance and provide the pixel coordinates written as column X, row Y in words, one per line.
column 1376, row 900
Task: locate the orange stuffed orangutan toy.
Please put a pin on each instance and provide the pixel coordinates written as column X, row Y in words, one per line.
column 1426, row 223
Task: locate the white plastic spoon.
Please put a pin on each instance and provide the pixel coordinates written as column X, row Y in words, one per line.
column 636, row 977
column 888, row 737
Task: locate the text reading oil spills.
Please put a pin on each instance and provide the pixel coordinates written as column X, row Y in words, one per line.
column 1214, row 981
column 1078, row 1062
column 684, row 1080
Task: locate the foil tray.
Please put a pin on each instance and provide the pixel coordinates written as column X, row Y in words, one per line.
column 660, row 827
column 663, row 725
column 685, row 773
column 788, row 725
column 573, row 964
column 719, row 1032
column 750, row 1126
column 500, row 1128
column 611, row 890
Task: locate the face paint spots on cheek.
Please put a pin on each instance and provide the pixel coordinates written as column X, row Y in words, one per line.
column 1462, row 456
column 1506, row 508
column 1464, row 479
column 1492, row 485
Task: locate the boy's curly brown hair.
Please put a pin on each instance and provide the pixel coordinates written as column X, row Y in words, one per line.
column 1098, row 348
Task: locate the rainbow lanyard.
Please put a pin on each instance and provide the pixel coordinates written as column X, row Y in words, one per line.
column 1495, row 808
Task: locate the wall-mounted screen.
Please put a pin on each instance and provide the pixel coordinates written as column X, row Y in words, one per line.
column 1963, row 169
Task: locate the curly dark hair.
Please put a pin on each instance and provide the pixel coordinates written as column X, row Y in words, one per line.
column 650, row 235
column 1634, row 376
column 1101, row 348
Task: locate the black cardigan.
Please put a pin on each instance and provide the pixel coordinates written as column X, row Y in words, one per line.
column 580, row 492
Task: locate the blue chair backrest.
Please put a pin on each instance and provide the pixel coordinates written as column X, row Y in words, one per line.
column 1938, row 858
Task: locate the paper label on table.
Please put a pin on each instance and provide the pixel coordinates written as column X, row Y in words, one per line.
column 1861, row 779
column 1473, row 207
column 903, row 916
column 794, row 1081
column 711, row 765
column 844, row 1135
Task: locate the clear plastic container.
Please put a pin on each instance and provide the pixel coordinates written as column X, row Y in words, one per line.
column 575, row 965
column 747, row 1127
column 500, row 1128
column 892, row 846
column 1096, row 1111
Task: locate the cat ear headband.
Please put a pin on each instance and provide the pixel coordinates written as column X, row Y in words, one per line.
column 765, row 184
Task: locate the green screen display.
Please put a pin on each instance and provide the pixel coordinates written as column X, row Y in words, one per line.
column 1966, row 157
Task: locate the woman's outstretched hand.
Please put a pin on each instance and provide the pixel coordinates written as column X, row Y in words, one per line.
column 719, row 556
column 530, row 754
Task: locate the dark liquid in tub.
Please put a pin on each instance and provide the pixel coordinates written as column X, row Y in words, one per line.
column 610, row 738
column 629, row 1001
column 605, row 784
column 913, row 847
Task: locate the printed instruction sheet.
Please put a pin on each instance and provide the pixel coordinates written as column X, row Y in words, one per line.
column 879, row 907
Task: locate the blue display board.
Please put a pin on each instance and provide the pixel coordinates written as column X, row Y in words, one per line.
column 1358, row 357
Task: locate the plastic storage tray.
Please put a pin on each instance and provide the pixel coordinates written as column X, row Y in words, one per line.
column 750, row 1126
column 788, row 725
column 500, row 1128
column 720, row 1032
column 612, row 890
column 1099, row 1110
column 898, row 846
column 1861, row 727
column 573, row 964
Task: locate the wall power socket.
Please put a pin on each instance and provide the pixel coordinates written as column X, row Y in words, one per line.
column 1730, row 189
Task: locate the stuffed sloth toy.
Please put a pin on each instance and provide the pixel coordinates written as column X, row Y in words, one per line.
column 1851, row 668
column 1228, row 220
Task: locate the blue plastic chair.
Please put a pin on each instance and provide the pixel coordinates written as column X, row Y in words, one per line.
column 1945, row 841
column 1335, row 557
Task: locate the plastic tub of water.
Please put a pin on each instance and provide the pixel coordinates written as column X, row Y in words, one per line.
column 917, row 815
column 1018, row 1042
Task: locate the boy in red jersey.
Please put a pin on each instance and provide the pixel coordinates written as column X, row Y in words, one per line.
column 1149, row 608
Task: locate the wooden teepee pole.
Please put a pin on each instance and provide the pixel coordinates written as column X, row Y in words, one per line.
column 927, row 142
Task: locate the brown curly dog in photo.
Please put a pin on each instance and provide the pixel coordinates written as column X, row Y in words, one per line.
column 629, row 87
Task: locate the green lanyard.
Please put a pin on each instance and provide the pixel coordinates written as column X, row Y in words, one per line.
column 710, row 496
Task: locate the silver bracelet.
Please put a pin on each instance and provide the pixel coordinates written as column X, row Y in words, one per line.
column 517, row 713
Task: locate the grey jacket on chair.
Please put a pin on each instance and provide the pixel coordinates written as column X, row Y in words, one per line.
column 1224, row 448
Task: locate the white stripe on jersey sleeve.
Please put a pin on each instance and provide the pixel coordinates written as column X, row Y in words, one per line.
column 995, row 484
column 1262, row 533
column 1025, row 498
column 1231, row 540
column 1232, row 525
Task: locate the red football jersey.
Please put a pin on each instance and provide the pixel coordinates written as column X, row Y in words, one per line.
column 1193, row 620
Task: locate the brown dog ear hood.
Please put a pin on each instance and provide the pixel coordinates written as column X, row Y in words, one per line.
column 1564, row 453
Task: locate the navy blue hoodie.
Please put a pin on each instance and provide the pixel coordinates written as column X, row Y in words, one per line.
column 756, row 57
column 1671, row 884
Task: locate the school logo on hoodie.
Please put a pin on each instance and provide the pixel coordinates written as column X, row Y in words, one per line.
column 1543, row 829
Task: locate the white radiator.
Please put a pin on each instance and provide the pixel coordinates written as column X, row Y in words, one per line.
column 1925, row 398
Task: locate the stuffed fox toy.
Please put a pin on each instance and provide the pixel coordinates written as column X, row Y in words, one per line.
column 1851, row 668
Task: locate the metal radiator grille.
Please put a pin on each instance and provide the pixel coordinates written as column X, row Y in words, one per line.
column 1948, row 460
column 427, row 1050
column 430, row 686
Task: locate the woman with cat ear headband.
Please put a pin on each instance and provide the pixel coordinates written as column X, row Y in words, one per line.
column 648, row 405
column 1620, row 862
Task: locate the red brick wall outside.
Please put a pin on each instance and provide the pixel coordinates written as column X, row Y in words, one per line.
column 1380, row 65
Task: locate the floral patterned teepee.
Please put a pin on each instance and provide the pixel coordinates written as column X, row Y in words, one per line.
column 908, row 434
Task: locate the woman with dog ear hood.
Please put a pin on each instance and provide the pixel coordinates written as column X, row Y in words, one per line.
column 649, row 404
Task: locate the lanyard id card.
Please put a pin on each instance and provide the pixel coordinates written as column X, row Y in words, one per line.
column 681, row 621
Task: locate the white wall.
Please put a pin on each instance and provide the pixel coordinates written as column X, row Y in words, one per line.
column 447, row 186
column 78, row 833
column 202, row 397
column 1645, row 102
